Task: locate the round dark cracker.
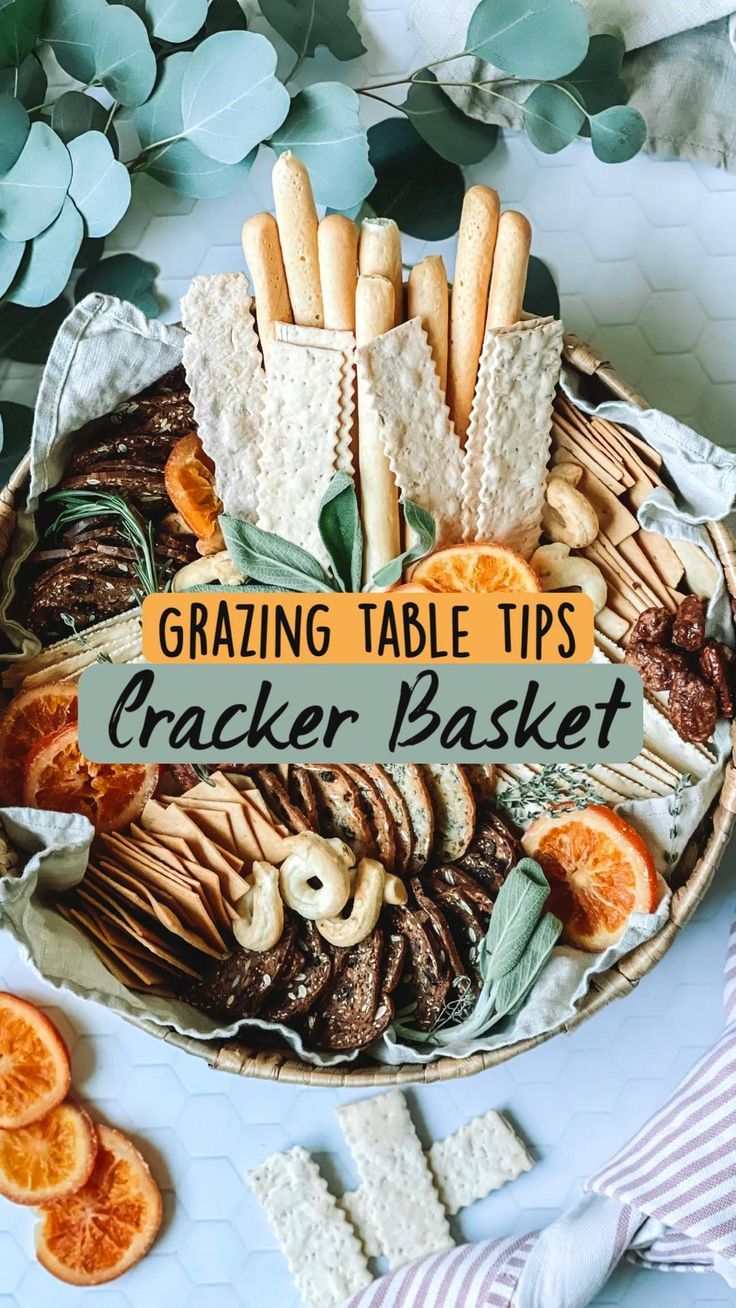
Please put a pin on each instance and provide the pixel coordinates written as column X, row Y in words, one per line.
column 237, row 986
column 379, row 817
column 353, row 1011
column 302, row 985
column 409, row 781
column 394, row 960
column 492, row 853
column 429, row 980
column 454, row 809
column 340, row 809
column 279, row 801
column 396, row 804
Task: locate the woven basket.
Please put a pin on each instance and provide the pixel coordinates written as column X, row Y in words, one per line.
column 695, row 874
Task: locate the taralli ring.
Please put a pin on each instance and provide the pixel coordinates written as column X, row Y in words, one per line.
column 364, row 914
column 567, row 515
column 558, row 569
column 261, row 921
column 394, row 890
column 315, row 875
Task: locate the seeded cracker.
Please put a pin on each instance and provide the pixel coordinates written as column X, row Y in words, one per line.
column 299, row 441
column 319, row 1244
column 344, row 342
column 509, row 434
column 402, row 1204
column 225, row 374
column 413, row 421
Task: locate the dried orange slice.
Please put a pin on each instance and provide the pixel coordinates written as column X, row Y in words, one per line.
column 34, row 1063
column 60, row 778
column 31, row 715
column 190, row 485
column 106, row 1227
column 600, row 872
column 482, row 566
column 48, row 1159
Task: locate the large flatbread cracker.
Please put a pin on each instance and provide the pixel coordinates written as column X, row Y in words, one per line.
column 224, row 370
column 401, row 384
column 326, row 339
column 509, row 435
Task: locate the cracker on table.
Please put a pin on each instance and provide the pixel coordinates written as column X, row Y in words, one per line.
column 479, row 1158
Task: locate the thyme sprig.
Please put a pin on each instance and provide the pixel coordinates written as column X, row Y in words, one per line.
column 557, row 787
column 674, row 808
column 81, row 639
column 76, row 505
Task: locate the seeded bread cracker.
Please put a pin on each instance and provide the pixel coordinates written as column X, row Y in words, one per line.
column 227, row 384
column 479, row 1158
column 510, row 433
column 402, row 1203
column 396, row 805
column 319, row 1244
column 300, row 437
column 401, row 385
column 412, row 786
column 454, row 808
column 340, row 810
column 377, row 813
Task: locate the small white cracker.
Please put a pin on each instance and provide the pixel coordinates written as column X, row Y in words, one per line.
column 73, row 666
column 401, row 384
column 319, row 1245
column 327, row 339
column 479, row 1158
column 402, row 1204
column 227, row 383
column 523, row 370
column 355, row 1204
column 299, row 441
column 123, row 626
column 623, row 785
column 649, row 784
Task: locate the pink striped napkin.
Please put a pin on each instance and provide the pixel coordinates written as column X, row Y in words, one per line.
column 667, row 1200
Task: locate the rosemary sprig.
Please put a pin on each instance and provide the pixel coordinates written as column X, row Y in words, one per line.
column 674, row 809
column 81, row 639
column 76, row 505
column 558, row 787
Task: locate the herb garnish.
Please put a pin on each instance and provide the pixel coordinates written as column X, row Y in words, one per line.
column 674, row 808
column 557, row 787
column 81, row 639
column 80, row 504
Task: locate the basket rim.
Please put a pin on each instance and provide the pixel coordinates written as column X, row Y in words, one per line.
column 275, row 1065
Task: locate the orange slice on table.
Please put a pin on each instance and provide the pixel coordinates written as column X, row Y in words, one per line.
column 106, row 1227
column 31, row 715
column 48, row 1159
column 60, row 778
column 34, row 1063
column 483, row 566
column 190, row 485
column 600, row 872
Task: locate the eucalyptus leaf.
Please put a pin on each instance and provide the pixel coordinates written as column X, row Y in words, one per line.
column 598, row 78
column 124, row 61
column 422, row 526
column 16, row 425
column 124, row 275
column 553, row 116
column 100, row 186
column 534, row 39
column 26, row 335
column 341, row 531
column 48, row 260
column 420, row 191
column 305, row 24
column 14, row 128
column 454, row 135
column 268, row 558
column 11, row 253
column 160, row 117
column 516, row 913
column 74, row 113
column 32, row 193
column 20, row 24
column 231, row 99
column 617, row 134
column 69, row 29
column 540, row 296
column 173, row 21
column 27, row 83
column 514, row 986
column 225, row 16
column 323, row 128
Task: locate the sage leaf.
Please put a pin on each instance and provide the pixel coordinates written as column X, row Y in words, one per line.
column 11, row 253
column 124, row 61
column 124, row 275
column 48, row 260
column 74, row 114
column 598, row 78
column 270, row 559
column 617, row 134
column 33, row 191
column 422, row 525
column 231, row 99
column 323, row 128
column 454, row 136
column 305, row 24
column 69, row 30
column 534, row 39
column 26, row 334
column 553, row 116
column 16, row 425
column 100, row 185
column 20, row 23
column 514, row 986
column 540, row 296
column 27, row 83
column 173, row 21
column 341, row 531
column 14, row 128
column 422, row 192
column 515, row 915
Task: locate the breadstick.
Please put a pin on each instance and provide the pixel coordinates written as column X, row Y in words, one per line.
column 508, row 282
column 469, row 305
column 428, row 299
column 379, row 255
column 337, row 239
column 297, row 219
column 262, row 250
column 374, row 315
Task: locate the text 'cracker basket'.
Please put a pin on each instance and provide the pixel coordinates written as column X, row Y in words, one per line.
column 693, row 876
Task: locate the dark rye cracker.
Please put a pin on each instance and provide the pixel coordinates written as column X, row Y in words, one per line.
column 428, row 978
column 279, row 801
column 409, row 781
column 379, row 817
column 299, row 988
column 237, row 986
column 353, row 1012
column 454, row 809
column 492, row 852
column 396, row 804
column 448, row 949
column 340, row 809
